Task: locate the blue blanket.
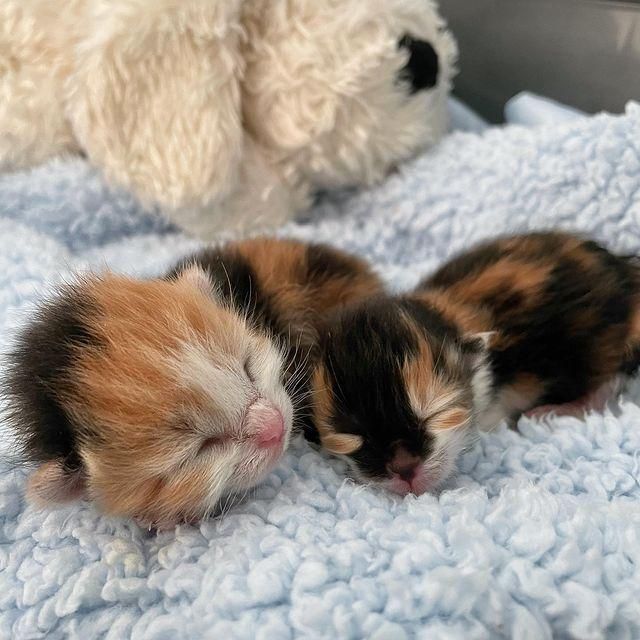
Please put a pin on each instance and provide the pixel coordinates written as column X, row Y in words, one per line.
column 537, row 537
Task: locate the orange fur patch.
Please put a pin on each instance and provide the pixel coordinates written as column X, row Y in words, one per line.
column 417, row 371
column 469, row 318
column 450, row 419
column 127, row 396
column 427, row 392
column 276, row 263
column 342, row 443
column 51, row 483
column 322, row 402
column 506, row 276
column 432, row 398
column 282, row 271
column 153, row 499
column 330, row 439
column 127, row 381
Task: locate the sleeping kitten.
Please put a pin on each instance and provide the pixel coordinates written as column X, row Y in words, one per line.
column 155, row 398
column 543, row 318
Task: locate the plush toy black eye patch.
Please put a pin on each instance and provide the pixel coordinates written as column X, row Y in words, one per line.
column 422, row 68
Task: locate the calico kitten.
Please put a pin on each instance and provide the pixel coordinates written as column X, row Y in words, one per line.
column 155, row 398
column 542, row 318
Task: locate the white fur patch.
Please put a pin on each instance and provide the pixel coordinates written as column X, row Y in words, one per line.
column 449, row 444
column 221, row 379
column 482, row 385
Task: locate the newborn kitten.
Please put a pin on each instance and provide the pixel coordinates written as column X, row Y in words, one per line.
column 543, row 318
column 155, row 398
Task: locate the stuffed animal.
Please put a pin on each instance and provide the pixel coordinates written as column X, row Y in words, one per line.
column 226, row 113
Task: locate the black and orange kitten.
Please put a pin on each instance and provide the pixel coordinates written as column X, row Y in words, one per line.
column 157, row 397
column 543, row 318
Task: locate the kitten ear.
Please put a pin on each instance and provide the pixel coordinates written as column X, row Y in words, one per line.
column 341, row 443
column 476, row 345
column 479, row 341
column 51, row 482
column 197, row 277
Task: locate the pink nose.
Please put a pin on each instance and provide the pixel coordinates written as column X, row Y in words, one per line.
column 265, row 421
column 418, row 485
column 404, row 465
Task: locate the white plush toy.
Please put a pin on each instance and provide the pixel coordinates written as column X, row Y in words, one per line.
column 226, row 113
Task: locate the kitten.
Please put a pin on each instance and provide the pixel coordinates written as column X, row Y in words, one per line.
column 155, row 398
column 542, row 318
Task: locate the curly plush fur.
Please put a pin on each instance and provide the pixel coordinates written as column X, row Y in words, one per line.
column 225, row 112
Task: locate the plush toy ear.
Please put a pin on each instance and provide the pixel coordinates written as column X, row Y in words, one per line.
column 154, row 99
column 52, row 483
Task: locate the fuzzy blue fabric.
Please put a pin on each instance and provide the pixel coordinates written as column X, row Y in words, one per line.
column 537, row 537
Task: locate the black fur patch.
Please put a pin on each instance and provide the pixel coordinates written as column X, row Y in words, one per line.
column 322, row 265
column 363, row 355
column 325, row 263
column 40, row 369
column 237, row 284
column 469, row 263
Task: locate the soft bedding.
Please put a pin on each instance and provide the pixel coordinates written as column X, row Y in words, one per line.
column 530, row 109
column 537, row 537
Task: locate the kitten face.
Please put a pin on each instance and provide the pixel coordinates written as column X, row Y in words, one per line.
column 394, row 393
column 173, row 400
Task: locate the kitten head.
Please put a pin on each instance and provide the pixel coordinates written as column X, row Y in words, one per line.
column 395, row 392
column 153, row 398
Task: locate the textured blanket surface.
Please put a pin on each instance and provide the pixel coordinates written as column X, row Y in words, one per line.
column 537, row 537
